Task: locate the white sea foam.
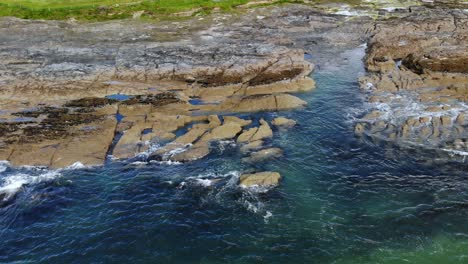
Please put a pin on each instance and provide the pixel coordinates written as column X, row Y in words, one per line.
column 204, row 182
column 257, row 188
column 4, row 165
column 267, row 216
column 390, row 8
column 76, row 166
column 166, row 162
column 207, row 179
column 13, row 183
column 138, row 163
column 456, row 152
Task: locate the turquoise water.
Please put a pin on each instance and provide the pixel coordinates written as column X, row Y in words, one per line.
column 342, row 199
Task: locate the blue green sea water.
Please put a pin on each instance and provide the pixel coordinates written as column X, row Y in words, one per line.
column 342, row 199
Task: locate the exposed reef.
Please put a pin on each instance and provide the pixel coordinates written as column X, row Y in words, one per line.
column 417, row 84
column 172, row 90
column 84, row 92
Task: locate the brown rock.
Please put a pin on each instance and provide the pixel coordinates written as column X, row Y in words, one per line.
column 424, row 119
column 251, row 146
column 214, row 121
column 263, row 154
column 247, row 135
column 89, row 149
column 460, row 119
column 266, row 178
column 425, row 132
column 234, row 119
column 226, row 131
column 446, row 120
column 373, row 115
column 359, row 128
column 197, row 151
column 281, row 121
column 405, row 130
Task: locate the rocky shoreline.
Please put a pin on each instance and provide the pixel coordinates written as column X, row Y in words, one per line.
column 418, row 80
column 85, row 92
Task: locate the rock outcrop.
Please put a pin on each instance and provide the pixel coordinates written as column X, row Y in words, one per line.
column 115, row 88
column 260, row 179
column 283, row 122
column 418, row 78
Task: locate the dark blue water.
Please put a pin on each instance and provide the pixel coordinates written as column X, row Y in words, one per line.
column 342, row 200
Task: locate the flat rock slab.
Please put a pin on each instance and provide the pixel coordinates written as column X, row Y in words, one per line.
column 262, row 179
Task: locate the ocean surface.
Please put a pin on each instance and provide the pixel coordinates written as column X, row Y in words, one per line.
column 342, row 199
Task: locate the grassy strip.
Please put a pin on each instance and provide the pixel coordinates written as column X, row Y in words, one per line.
column 99, row 10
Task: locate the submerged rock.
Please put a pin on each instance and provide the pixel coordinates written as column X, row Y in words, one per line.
column 283, row 122
column 263, row 154
column 251, row 146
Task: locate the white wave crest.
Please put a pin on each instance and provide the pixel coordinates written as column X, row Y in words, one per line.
column 13, row 183
column 4, row 165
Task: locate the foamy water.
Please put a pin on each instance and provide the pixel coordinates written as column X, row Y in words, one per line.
column 12, row 184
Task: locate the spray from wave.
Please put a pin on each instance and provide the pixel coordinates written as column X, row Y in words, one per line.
column 11, row 184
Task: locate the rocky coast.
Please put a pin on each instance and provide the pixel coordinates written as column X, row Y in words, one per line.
column 86, row 92
column 417, row 84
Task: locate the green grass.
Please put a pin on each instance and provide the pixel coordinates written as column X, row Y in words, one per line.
column 98, row 10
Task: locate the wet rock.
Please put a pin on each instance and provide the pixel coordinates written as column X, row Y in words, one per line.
column 386, row 84
column 460, row 119
column 129, row 144
column 359, row 129
column 90, row 102
column 237, row 120
column 262, row 179
column 425, row 132
column 262, row 103
column 459, row 144
column 424, row 120
column 405, row 131
column 226, row 131
column 373, row 115
column 435, row 132
column 434, row 109
column 253, row 134
column 159, row 75
column 412, row 122
column 419, row 57
column 214, row 121
column 197, row 151
column 155, row 100
column 263, row 154
column 251, row 146
column 247, row 135
column 435, row 122
column 195, row 133
column 283, row 122
column 378, row 126
column 446, row 120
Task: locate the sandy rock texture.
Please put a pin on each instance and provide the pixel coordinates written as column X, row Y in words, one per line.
column 85, row 92
column 417, row 83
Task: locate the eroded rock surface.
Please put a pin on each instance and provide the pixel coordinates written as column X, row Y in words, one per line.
column 80, row 92
column 418, row 79
column 130, row 87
